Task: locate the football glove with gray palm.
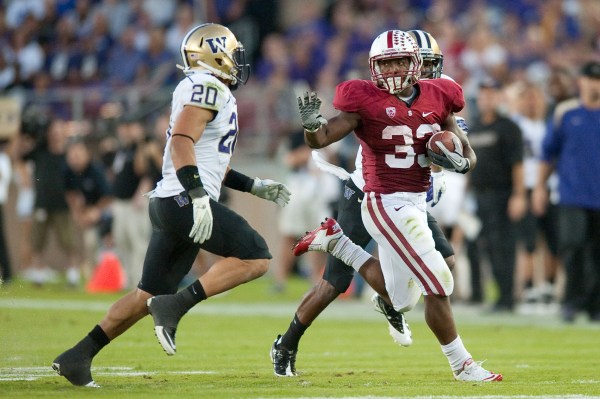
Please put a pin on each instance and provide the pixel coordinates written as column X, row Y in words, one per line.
column 452, row 160
column 271, row 190
column 310, row 112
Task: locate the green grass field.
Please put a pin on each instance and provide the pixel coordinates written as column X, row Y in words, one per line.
column 223, row 347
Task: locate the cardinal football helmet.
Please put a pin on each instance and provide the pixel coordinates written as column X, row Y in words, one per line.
column 395, row 44
column 433, row 59
column 213, row 47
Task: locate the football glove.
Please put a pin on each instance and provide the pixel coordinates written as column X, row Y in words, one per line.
column 452, row 160
column 436, row 188
column 203, row 218
column 271, row 191
column 310, row 112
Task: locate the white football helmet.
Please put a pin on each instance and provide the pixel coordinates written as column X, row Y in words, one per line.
column 213, row 47
column 433, row 59
column 395, row 44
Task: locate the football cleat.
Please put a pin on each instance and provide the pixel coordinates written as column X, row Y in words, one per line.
column 322, row 239
column 473, row 372
column 399, row 329
column 284, row 361
column 166, row 312
column 75, row 367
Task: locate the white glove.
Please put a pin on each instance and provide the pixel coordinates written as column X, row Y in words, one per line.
column 438, row 181
column 271, row 190
column 203, row 219
column 310, row 112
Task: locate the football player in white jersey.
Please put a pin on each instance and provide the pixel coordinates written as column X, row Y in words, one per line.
column 202, row 135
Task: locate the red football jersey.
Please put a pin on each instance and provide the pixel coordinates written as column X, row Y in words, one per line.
column 393, row 135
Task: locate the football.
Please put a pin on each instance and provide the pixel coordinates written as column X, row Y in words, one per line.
column 446, row 138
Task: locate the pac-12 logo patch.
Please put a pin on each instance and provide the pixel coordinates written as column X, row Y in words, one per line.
column 391, row 111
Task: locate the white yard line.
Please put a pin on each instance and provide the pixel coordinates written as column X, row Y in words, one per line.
column 36, row 373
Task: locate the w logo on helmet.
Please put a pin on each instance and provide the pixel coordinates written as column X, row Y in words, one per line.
column 217, row 44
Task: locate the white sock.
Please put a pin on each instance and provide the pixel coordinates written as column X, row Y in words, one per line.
column 350, row 253
column 456, row 353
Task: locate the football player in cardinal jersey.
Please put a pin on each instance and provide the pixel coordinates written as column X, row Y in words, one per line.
column 393, row 116
column 337, row 275
column 201, row 139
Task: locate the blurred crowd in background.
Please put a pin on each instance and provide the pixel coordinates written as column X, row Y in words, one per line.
column 101, row 73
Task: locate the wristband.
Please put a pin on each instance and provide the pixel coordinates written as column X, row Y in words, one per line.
column 238, row 181
column 189, row 177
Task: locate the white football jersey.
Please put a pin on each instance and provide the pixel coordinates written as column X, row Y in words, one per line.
column 217, row 143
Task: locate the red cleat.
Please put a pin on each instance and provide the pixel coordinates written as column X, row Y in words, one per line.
column 320, row 238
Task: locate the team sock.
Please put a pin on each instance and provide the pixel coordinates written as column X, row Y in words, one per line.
column 456, row 353
column 350, row 253
column 191, row 295
column 292, row 336
column 92, row 343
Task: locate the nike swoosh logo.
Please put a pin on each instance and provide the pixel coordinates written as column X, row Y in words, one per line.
column 426, row 114
column 400, row 207
column 459, row 164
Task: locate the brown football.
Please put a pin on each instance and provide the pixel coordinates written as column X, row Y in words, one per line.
column 445, row 136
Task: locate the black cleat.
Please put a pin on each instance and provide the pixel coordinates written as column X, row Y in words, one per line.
column 75, row 367
column 284, row 361
column 399, row 329
column 166, row 312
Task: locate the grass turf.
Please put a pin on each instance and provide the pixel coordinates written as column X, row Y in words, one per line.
column 223, row 350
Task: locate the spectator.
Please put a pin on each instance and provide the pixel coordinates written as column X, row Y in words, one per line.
column 572, row 147
column 62, row 50
column 498, row 186
column 184, row 21
column 88, row 195
column 131, row 227
column 8, row 72
column 118, row 14
column 51, row 212
column 124, row 62
column 18, row 11
column 157, row 69
column 531, row 106
column 29, row 56
column 81, row 17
